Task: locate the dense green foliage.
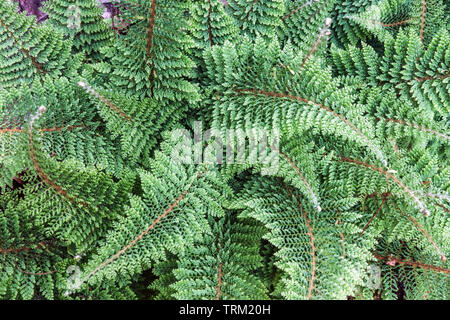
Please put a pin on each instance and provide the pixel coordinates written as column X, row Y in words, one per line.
column 354, row 96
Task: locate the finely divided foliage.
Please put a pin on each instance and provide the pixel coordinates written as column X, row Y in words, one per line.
column 95, row 204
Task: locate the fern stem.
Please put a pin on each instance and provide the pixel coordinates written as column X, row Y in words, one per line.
column 210, row 35
column 313, row 255
column 324, row 32
column 313, row 249
column 219, row 281
column 389, row 25
column 17, row 250
column 32, row 273
column 302, row 177
column 41, row 172
column 438, row 77
column 339, row 222
column 53, row 129
column 395, row 260
column 143, row 233
column 309, row 3
column 307, row 101
column 422, row 22
column 373, row 217
column 421, row 229
column 92, row 91
column 25, row 51
column 388, row 175
column 416, row 126
column 150, row 28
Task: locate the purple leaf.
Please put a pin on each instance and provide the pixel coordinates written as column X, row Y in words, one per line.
column 32, row 8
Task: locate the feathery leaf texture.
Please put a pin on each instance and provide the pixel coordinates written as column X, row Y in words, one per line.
column 352, row 96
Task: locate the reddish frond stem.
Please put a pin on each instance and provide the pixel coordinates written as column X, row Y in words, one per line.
column 248, row 13
column 145, row 232
column 313, row 249
column 21, row 48
column 416, row 126
column 394, row 260
column 421, row 229
column 46, row 179
column 53, row 129
column 307, row 101
column 32, row 273
column 151, row 25
column 298, row 8
column 389, row 25
column 219, row 281
column 389, row 175
column 210, row 35
column 422, row 20
column 368, row 223
column 339, row 221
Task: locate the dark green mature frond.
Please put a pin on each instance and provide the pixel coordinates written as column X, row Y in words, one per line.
column 28, row 257
column 315, row 250
column 346, row 30
column 303, row 20
column 256, row 90
column 212, row 25
column 225, row 149
column 151, row 59
column 69, row 129
column 257, row 17
column 418, row 74
column 224, row 265
column 82, row 21
column 29, row 52
column 137, row 123
column 170, row 215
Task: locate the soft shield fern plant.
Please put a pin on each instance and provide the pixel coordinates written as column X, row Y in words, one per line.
column 111, row 183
